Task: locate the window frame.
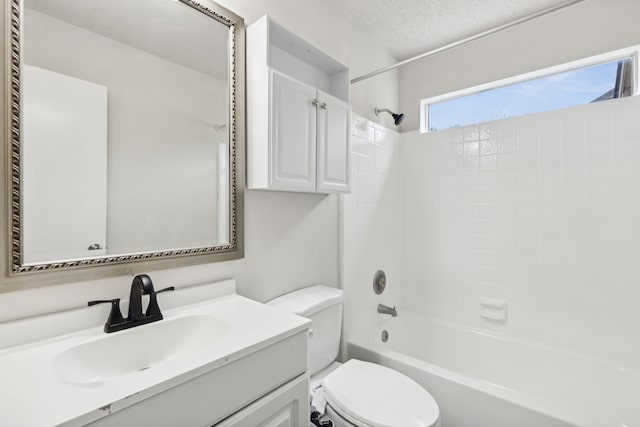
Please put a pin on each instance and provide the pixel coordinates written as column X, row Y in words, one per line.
column 616, row 55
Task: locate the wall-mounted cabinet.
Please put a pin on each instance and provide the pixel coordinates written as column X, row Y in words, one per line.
column 298, row 111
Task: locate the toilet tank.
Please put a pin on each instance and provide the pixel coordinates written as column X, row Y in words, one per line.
column 323, row 305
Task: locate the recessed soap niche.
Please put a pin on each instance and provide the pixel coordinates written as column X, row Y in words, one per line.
column 493, row 309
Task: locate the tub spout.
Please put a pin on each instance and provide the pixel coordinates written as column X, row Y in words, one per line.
column 384, row 309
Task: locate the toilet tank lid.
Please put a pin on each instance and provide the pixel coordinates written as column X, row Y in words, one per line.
column 307, row 301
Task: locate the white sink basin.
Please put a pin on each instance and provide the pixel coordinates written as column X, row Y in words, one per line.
column 138, row 349
column 76, row 374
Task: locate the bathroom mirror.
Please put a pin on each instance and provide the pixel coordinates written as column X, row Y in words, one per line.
column 125, row 134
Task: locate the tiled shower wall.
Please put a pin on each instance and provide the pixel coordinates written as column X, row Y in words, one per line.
column 542, row 211
column 371, row 226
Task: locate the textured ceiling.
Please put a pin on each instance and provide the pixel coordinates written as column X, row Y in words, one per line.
column 409, row 27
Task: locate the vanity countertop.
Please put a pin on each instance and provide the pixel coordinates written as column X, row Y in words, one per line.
column 34, row 393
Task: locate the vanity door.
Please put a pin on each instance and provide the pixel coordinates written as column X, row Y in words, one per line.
column 288, row 406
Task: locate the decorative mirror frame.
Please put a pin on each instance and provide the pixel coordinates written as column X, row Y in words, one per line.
column 19, row 276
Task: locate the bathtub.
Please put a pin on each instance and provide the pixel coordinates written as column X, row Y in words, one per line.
column 481, row 379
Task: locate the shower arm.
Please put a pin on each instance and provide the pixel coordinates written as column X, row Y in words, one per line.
column 397, row 118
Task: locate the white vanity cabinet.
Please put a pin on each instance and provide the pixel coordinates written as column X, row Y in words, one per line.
column 216, row 359
column 299, row 117
column 267, row 388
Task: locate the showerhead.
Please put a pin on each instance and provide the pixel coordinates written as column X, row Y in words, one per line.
column 397, row 118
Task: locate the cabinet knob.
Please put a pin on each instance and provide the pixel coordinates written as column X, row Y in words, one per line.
column 315, row 102
column 323, row 105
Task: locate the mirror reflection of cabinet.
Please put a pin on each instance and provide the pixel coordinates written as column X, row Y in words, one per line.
column 299, row 114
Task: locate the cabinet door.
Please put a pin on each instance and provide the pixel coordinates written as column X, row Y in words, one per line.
column 334, row 145
column 287, row 406
column 292, row 157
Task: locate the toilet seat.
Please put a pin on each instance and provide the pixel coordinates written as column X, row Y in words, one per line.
column 371, row 395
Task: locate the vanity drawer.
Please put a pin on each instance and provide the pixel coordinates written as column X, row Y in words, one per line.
column 210, row 398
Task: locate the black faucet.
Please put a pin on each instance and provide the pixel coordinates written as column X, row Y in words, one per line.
column 141, row 285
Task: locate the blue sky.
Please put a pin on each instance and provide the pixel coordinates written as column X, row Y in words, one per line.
column 547, row 93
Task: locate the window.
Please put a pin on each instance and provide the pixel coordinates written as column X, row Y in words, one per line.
column 595, row 79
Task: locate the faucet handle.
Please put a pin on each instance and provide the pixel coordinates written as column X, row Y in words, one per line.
column 115, row 316
column 153, row 309
column 102, row 301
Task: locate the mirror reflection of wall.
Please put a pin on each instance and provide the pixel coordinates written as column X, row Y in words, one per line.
column 167, row 98
column 75, row 152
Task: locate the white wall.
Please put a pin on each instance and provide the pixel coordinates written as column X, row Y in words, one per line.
column 583, row 30
column 541, row 211
column 372, row 224
column 161, row 122
column 291, row 240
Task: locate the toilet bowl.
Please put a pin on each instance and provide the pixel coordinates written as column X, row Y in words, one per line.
column 366, row 394
column 357, row 393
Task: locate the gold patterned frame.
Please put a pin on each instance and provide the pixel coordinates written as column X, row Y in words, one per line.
column 104, row 266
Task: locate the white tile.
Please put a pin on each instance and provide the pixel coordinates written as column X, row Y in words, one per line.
column 545, row 208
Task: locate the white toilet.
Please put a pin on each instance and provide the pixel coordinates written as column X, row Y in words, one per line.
column 357, row 393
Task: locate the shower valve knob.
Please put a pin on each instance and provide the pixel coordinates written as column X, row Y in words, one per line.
column 379, row 282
